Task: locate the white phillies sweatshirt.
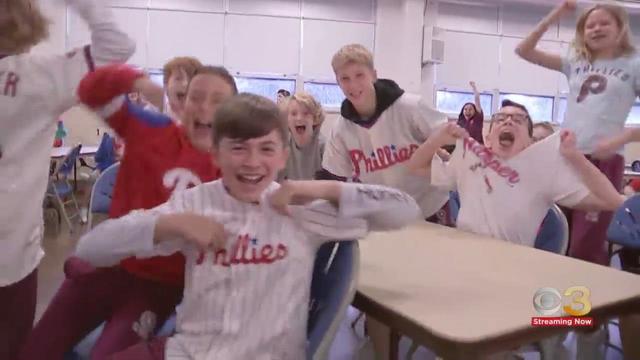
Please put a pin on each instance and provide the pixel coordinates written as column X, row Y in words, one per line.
column 249, row 300
column 34, row 91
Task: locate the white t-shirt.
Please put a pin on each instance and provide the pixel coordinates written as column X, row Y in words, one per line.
column 34, row 92
column 378, row 155
column 600, row 97
column 508, row 199
column 249, row 300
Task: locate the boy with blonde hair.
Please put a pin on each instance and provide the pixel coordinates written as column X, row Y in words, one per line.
column 379, row 129
column 306, row 144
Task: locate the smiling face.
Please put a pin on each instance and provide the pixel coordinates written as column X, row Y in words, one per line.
column 206, row 92
column 468, row 111
column 356, row 81
column 509, row 132
column 300, row 121
column 601, row 32
column 250, row 166
column 177, row 91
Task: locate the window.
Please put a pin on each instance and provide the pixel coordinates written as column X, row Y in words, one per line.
column 451, row 102
column 157, row 77
column 328, row 94
column 264, row 86
column 562, row 109
column 540, row 107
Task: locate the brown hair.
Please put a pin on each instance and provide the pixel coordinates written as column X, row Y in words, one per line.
column 545, row 125
column 622, row 19
column 352, row 53
column 22, row 26
column 248, row 116
column 309, row 102
column 508, row 102
column 187, row 63
column 219, row 71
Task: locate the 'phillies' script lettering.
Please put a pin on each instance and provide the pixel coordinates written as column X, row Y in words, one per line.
column 245, row 252
column 489, row 160
column 381, row 158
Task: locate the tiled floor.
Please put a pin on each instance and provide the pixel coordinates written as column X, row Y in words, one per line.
column 348, row 345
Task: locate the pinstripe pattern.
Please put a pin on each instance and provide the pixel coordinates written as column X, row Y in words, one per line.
column 255, row 308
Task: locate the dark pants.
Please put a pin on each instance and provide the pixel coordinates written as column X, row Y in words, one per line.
column 589, row 231
column 87, row 298
column 152, row 350
column 17, row 311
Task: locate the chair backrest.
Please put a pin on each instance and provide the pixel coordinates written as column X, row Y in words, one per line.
column 66, row 166
column 333, row 288
column 454, row 205
column 624, row 228
column 105, row 155
column 554, row 232
column 100, row 200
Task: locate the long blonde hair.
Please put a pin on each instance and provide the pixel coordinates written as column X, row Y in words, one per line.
column 22, row 26
column 622, row 20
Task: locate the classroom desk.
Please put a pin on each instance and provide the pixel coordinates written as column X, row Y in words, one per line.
column 465, row 296
column 60, row 152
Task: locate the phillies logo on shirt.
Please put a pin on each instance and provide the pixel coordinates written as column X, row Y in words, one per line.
column 180, row 179
column 381, row 158
column 246, row 251
column 489, row 160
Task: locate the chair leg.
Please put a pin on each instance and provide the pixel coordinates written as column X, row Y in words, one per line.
column 357, row 319
column 412, row 350
column 63, row 210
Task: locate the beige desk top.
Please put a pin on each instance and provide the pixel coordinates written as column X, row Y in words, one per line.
column 457, row 292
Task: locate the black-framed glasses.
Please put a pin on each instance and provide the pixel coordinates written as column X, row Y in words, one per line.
column 516, row 118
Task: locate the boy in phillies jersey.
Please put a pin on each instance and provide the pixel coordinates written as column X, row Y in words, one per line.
column 34, row 91
column 249, row 253
column 380, row 128
column 507, row 186
column 160, row 157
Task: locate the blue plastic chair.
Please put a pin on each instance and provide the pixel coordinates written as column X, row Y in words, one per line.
column 60, row 188
column 332, row 290
column 106, row 154
column 624, row 229
column 101, row 193
column 554, row 232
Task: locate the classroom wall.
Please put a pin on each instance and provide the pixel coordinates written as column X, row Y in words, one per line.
column 281, row 38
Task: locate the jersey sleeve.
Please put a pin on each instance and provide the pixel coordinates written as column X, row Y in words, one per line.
column 428, row 119
column 565, row 186
column 362, row 208
column 566, row 65
column 104, row 90
column 109, row 44
column 445, row 174
column 132, row 235
column 336, row 158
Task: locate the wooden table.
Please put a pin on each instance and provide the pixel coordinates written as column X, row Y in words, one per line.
column 465, row 296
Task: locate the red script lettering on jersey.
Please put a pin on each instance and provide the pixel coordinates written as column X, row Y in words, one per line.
column 245, row 252
column 10, row 80
column 489, row 160
column 381, row 158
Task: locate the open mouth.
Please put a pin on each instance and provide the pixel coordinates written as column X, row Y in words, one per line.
column 506, row 138
column 250, row 179
column 198, row 125
column 301, row 129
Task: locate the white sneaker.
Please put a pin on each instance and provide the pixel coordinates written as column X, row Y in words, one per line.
column 591, row 346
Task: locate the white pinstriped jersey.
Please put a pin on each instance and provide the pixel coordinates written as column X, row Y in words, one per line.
column 249, row 300
column 34, row 92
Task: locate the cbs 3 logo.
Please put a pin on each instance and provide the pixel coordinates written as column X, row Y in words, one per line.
column 548, row 301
